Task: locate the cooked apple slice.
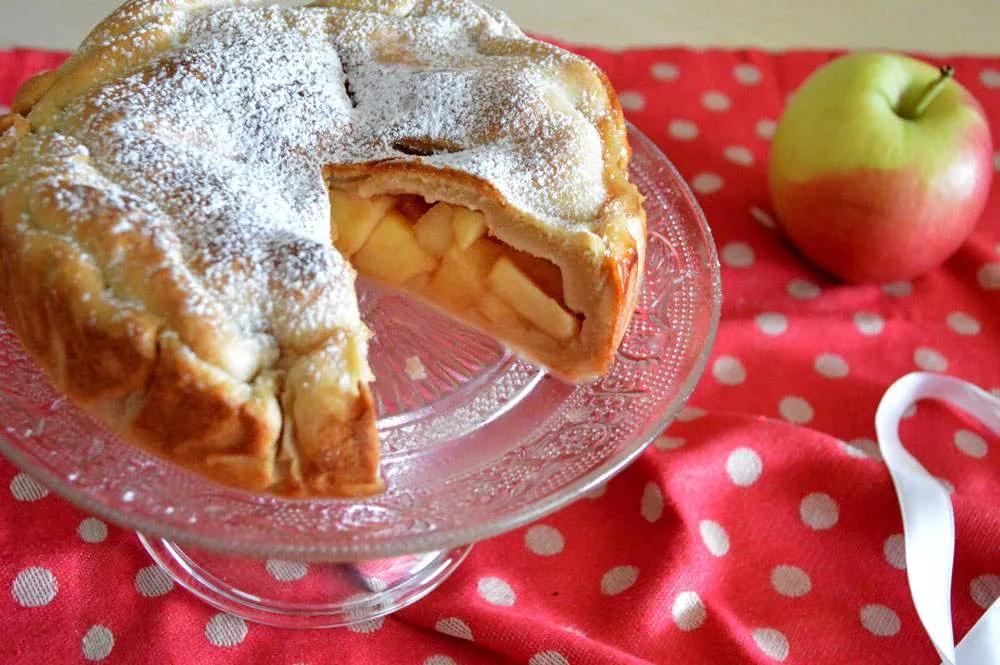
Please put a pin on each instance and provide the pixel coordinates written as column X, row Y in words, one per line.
column 480, row 257
column 391, row 253
column 434, row 229
column 470, row 225
column 452, row 283
column 461, row 279
column 355, row 218
column 517, row 290
column 497, row 311
column 546, row 275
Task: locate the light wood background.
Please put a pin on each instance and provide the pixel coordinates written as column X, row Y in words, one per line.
column 935, row 26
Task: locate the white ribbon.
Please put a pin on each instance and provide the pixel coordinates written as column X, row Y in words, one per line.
column 928, row 520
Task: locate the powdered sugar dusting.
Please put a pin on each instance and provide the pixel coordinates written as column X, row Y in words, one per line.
column 214, row 149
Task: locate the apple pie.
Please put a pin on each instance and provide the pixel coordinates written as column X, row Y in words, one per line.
column 186, row 202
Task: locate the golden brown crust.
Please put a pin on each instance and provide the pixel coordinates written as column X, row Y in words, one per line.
column 32, row 90
column 344, row 470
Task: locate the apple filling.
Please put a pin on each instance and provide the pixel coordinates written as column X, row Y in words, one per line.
column 445, row 254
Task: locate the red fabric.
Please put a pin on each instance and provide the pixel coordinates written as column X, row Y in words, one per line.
column 613, row 578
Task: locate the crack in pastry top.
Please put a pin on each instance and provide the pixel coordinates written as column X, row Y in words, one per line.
column 215, row 147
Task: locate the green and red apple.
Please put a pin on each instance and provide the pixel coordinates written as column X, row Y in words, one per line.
column 880, row 167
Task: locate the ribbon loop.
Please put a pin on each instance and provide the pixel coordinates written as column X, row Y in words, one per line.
column 928, row 519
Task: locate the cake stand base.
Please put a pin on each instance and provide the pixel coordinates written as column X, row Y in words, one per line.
column 291, row 594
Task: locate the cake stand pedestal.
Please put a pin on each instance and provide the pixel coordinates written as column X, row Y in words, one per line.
column 291, row 594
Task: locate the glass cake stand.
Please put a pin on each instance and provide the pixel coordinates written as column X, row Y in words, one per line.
column 476, row 442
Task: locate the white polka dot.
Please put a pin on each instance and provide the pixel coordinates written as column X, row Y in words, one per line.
column 286, row 571
column 988, row 276
column 682, row 130
column 929, row 360
column 713, row 100
column 652, row 503
column 668, row 443
column 772, row 324
column 763, row 218
column 153, row 581
column 729, row 371
column 26, row 488
column 971, row 443
column 544, row 540
column 894, row 550
column 618, row 579
column 795, row 410
column 990, row 77
column 879, row 620
column 985, row 590
column 367, row 626
column 819, row 511
column 715, row 537
column 868, row 323
column 35, row 587
column 439, row 660
column 898, row 289
column 739, row 155
column 597, row 492
column 548, row 658
column 706, row 183
column 92, row 530
column 862, row 448
column 747, row 74
column 803, row 289
column 665, row 71
column 744, row 467
column 765, row 128
column 688, row 611
column 790, row 581
column 225, row 630
column 772, row 642
column 964, row 324
column 632, row 101
column 455, row 627
column 831, row 366
column 737, row 255
column 97, row 643
column 689, row 413
column 496, row 592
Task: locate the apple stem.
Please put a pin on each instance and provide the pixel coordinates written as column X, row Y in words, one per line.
column 930, row 92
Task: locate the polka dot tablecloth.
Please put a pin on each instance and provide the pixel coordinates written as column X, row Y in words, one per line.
column 762, row 527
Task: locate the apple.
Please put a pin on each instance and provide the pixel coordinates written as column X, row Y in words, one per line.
column 880, row 167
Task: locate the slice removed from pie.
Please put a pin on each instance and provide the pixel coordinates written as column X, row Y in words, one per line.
column 453, row 257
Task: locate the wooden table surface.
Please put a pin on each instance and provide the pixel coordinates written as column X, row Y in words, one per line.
column 934, row 26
